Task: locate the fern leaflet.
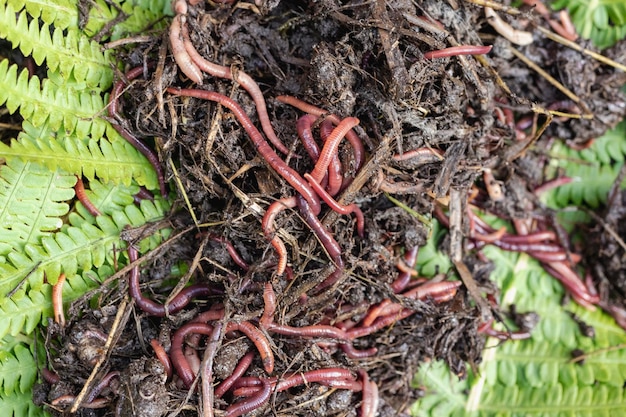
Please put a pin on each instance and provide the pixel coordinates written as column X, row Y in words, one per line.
column 18, row 370
column 69, row 52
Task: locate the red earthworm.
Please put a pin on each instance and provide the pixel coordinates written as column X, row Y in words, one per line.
column 239, row 370
column 486, row 328
column 269, row 300
column 331, row 145
column 357, row 145
column 493, row 186
column 57, row 301
column 326, row 238
column 572, row 282
column 243, row 80
column 114, row 96
column 568, row 26
column 536, row 237
column 490, row 237
column 161, row 355
column 369, row 403
column 354, row 353
column 96, row 390
column 303, row 126
column 554, row 256
column 234, row 255
column 335, row 170
column 410, row 257
column 251, row 403
column 180, row 53
column 438, row 291
column 191, row 354
column 153, row 308
column 380, row 323
column 143, row 194
column 208, row 393
column 458, row 50
column 424, row 155
column 267, row 224
column 266, row 151
column 325, row 376
column 209, row 315
column 316, row 330
column 49, row 376
column 259, row 340
column 66, row 400
column 528, row 247
column 183, row 370
column 339, row 208
column 549, row 185
column 79, row 189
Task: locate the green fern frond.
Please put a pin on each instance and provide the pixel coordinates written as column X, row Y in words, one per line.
column 70, row 107
column 430, row 260
column 82, row 245
column 32, row 202
column 535, row 377
column 18, row 370
column 67, row 52
column 20, row 405
column 112, row 161
column 602, row 21
column 593, row 169
column 22, row 313
column 60, row 13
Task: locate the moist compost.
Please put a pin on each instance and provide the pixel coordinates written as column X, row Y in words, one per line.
column 352, row 59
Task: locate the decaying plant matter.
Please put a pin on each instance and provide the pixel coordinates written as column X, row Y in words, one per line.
column 305, row 299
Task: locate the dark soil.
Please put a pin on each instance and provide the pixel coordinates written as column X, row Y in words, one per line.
column 361, row 59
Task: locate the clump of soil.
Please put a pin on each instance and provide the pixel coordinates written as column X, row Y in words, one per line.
column 362, row 60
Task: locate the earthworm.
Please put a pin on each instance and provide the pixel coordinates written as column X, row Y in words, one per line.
column 180, row 53
column 79, row 189
column 49, row 376
column 259, row 340
column 303, row 126
column 438, row 291
column 269, row 301
column 251, row 403
column 66, row 400
column 410, row 257
column 180, row 6
column 515, row 36
column 324, row 376
column 161, row 355
column 331, row 145
column 380, row 323
column 354, row 353
column 267, row 224
column 57, row 301
column 326, row 238
column 335, row 170
column 234, row 255
column 143, row 194
column 243, row 80
column 316, row 330
column 209, row 315
column 183, row 370
column 104, row 382
column 369, row 403
column 208, row 393
column 116, row 92
column 339, row 208
column 240, row 369
column 458, row 50
column 536, row 237
column 572, row 282
column 486, row 328
column 153, row 308
column 549, row 185
column 424, row 155
column 490, row 237
column 266, row 151
column 357, row 145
